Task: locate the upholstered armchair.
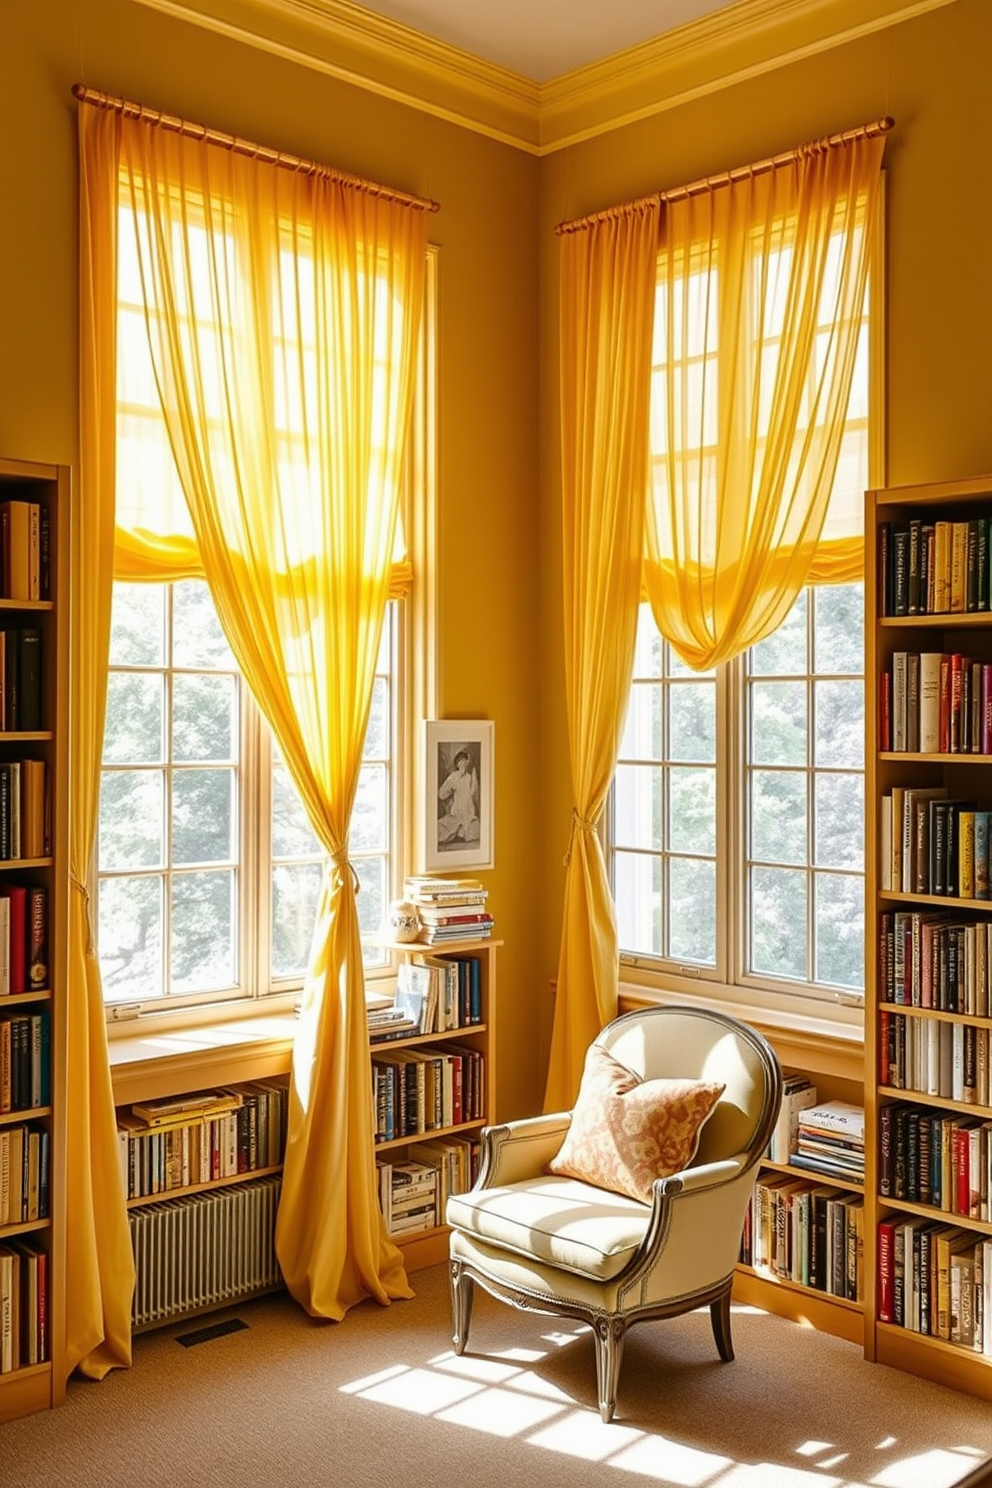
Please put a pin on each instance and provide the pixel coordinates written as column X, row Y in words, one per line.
column 568, row 1215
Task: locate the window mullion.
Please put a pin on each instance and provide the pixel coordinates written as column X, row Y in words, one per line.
column 731, row 808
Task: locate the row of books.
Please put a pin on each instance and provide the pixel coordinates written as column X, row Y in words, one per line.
column 23, row 1304
column 931, row 844
column 935, row 702
column 933, row 567
column 20, row 679
column 810, row 1234
column 423, row 1090
column 935, row 959
column 25, row 550
column 24, row 810
column 936, row 1279
column 937, row 1158
column 163, row 1148
column 25, row 1061
column 414, row 1193
column 433, row 995
column 449, row 909
column 23, row 938
column 934, row 1057
column 25, row 1174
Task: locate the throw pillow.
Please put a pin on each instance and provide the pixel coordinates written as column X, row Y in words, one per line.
column 625, row 1132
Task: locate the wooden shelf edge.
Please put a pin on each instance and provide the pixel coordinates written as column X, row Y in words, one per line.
column 193, row 1188
column 25, row 1391
column 820, row 1310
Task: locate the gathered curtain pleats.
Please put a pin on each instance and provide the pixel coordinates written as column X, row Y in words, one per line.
column 709, row 345
column 282, row 312
column 607, row 292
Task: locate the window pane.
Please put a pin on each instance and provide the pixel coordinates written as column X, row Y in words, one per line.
column 132, row 820
column 778, row 923
column 840, row 939
column 292, row 834
column 693, row 810
column 778, row 723
column 783, row 653
column 637, row 887
column 134, row 732
column 198, row 640
column 372, row 896
column 838, row 631
column 295, row 890
column 203, row 816
column 203, row 931
column 638, row 807
column 839, row 836
column 778, row 816
column 377, row 733
column 130, row 930
column 642, row 727
column 692, row 722
column 137, row 626
column 840, row 723
column 692, row 895
column 369, row 819
column 204, row 717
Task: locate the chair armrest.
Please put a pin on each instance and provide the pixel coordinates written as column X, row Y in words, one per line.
column 520, row 1149
column 707, row 1175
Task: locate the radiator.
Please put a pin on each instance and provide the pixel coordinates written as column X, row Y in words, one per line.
column 203, row 1251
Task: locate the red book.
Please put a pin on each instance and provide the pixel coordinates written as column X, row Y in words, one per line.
column 886, row 1271
column 945, row 704
column 885, row 711
column 986, row 740
column 961, row 1149
column 18, row 896
column 955, row 710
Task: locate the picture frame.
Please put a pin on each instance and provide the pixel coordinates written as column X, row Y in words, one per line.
column 458, row 814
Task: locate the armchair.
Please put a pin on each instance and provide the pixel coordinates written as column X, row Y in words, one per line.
column 558, row 1244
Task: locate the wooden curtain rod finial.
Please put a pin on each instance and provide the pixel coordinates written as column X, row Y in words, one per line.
column 725, row 178
column 239, row 146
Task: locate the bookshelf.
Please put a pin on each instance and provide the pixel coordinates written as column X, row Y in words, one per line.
column 928, row 670
column 33, row 858
column 429, row 1246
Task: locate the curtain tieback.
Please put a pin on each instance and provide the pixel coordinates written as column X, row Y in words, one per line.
column 342, row 860
column 579, row 824
column 80, row 887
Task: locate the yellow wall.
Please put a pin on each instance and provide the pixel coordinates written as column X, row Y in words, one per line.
column 930, row 74
column 500, row 549
column 486, row 230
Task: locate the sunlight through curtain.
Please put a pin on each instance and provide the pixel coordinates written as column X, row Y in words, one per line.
column 607, row 291
column 282, row 310
column 99, row 1261
column 761, row 287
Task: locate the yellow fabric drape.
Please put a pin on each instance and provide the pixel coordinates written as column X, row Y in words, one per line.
column 761, row 286
column 288, row 444
column 99, row 1262
column 607, row 293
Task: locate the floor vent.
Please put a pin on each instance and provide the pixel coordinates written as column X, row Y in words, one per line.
column 214, row 1330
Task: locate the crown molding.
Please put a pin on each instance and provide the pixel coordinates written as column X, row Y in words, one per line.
column 380, row 55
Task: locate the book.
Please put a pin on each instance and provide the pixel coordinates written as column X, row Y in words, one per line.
column 835, row 1116
column 16, row 525
column 27, row 718
column 169, row 1109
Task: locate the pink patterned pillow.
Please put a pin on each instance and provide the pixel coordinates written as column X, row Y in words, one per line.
column 626, row 1132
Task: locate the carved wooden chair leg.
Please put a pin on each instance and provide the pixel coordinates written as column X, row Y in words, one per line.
column 609, row 1333
column 720, row 1318
column 462, row 1296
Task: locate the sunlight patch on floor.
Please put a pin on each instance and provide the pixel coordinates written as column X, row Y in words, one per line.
column 500, row 1412
column 583, row 1434
column 672, row 1462
column 938, row 1468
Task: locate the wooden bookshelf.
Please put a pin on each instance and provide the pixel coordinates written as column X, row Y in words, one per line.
column 906, row 1009
column 33, row 1386
column 429, row 1247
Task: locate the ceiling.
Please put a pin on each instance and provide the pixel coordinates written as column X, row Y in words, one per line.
column 544, row 39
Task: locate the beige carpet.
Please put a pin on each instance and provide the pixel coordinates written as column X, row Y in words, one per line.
column 380, row 1400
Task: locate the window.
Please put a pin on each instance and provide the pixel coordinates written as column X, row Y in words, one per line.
column 208, row 872
column 735, row 830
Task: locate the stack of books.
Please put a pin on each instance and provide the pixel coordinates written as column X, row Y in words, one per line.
column 449, row 908
column 408, row 1196
column 831, row 1139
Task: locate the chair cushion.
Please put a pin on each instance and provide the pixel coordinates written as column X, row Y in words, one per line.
column 625, row 1132
column 555, row 1221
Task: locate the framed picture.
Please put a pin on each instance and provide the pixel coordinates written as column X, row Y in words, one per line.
column 459, row 800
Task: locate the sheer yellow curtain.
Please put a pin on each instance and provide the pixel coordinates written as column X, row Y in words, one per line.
column 283, row 312
column 607, row 293
column 99, row 1262
column 761, row 284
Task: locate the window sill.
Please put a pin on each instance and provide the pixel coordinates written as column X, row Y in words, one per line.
column 149, row 1065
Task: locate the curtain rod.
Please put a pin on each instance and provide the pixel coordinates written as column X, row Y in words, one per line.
column 725, row 178
column 246, row 147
